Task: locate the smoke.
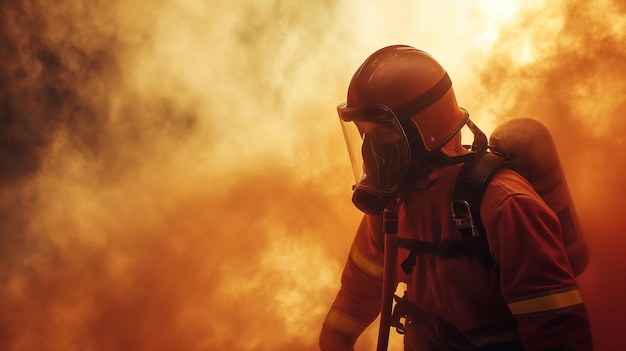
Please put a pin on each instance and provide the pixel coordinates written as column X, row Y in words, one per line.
column 173, row 176
column 562, row 63
column 152, row 197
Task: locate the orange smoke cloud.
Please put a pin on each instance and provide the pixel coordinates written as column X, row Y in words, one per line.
column 147, row 204
column 572, row 81
column 173, row 175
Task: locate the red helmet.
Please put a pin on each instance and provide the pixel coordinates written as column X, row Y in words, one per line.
column 403, row 107
column 412, row 84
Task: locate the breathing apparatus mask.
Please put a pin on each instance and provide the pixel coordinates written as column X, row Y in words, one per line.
column 386, row 152
column 379, row 152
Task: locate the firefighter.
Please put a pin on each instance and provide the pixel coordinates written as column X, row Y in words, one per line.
column 403, row 113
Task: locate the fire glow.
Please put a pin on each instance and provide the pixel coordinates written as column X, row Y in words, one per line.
column 173, row 175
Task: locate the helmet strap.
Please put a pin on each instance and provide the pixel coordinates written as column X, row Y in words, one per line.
column 478, row 146
column 423, row 161
column 480, row 139
column 441, row 159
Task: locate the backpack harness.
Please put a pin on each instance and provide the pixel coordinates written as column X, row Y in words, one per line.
column 471, row 184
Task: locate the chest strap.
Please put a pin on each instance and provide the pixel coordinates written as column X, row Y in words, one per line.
column 446, row 249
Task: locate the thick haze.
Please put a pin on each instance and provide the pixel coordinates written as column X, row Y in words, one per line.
column 173, row 175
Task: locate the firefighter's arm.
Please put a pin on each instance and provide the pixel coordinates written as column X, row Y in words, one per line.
column 358, row 302
column 536, row 280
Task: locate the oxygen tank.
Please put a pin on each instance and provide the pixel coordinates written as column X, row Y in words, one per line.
column 530, row 149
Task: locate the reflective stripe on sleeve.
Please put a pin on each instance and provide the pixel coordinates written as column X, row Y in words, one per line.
column 344, row 323
column 364, row 263
column 553, row 301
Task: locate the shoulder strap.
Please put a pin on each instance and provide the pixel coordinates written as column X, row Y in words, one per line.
column 471, row 184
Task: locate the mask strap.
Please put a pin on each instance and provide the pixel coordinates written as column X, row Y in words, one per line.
column 443, row 160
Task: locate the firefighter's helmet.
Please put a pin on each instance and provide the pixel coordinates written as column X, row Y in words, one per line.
column 404, row 108
column 412, row 84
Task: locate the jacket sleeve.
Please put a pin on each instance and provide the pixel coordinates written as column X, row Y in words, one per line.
column 358, row 302
column 536, row 280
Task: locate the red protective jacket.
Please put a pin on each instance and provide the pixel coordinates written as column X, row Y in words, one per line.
column 530, row 295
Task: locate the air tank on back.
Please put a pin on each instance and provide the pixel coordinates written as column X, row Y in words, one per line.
column 529, row 147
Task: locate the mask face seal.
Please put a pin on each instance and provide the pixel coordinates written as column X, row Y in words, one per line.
column 379, row 152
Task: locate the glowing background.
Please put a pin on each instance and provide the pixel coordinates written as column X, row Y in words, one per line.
column 173, row 175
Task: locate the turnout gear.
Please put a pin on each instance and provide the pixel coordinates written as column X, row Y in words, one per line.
column 466, row 304
column 494, row 275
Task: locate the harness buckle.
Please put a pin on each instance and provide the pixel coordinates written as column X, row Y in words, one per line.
column 400, row 312
column 462, row 216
